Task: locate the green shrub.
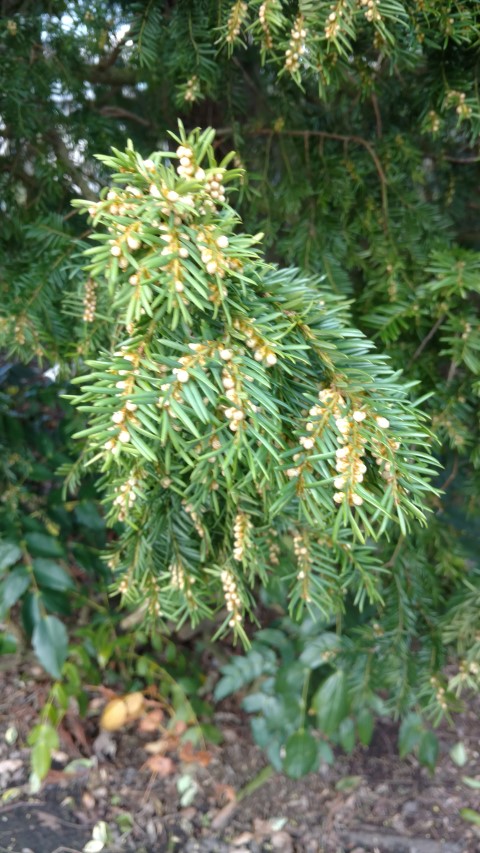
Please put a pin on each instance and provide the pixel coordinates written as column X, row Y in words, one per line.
column 303, row 680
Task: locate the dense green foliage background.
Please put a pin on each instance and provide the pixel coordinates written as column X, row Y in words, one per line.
column 357, row 126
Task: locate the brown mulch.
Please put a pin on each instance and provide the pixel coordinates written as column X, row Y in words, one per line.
column 368, row 802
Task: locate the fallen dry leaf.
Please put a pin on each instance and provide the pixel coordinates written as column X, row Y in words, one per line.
column 67, row 739
column 58, row 777
column 243, row 838
column 48, row 820
column 88, row 801
column 158, row 747
column 135, row 704
column 224, row 816
column 78, row 731
column 282, row 841
column 262, row 829
column 151, row 721
column 161, row 765
column 114, row 715
column 190, row 756
column 121, row 711
column 226, row 793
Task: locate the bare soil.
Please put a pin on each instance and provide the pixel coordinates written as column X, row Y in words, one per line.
column 368, row 802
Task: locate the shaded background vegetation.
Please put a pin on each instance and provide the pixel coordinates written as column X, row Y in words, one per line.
column 361, row 165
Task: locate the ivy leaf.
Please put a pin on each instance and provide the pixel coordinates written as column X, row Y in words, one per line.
column 50, row 642
column 331, row 702
column 9, row 554
column 301, row 755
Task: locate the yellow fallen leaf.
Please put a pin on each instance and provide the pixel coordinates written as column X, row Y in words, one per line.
column 114, row 715
column 121, row 711
column 135, row 704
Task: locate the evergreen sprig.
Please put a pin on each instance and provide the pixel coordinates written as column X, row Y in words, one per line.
column 236, row 405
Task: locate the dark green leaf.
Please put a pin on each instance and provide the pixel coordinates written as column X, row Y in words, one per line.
column 274, row 751
column 10, row 553
column 277, row 639
column 291, row 679
column 331, row 702
column 43, row 739
column 242, row 671
column 346, row 734
column 325, row 752
column 42, row 545
column 50, row 642
column 428, row 750
column 8, row 644
column 301, row 755
column 286, row 713
column 411, row 731
column 30, row 612
column 211, row 733
column 365, row 726
column 15, row 584
column 55, row 601
column 261, row 731
column 87, row 514
column 51, row 575
column 312, row 655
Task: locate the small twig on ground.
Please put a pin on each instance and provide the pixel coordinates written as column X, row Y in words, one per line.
column 390, row 843
column 66, row 850
column 225, row 815
column 263, row 776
